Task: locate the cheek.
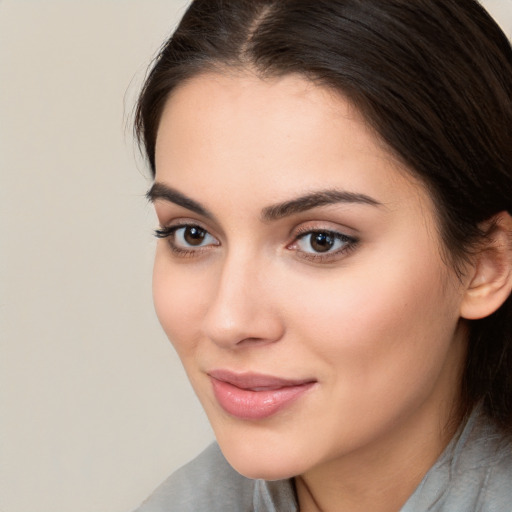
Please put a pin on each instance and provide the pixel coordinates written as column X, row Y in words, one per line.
column 178, row 302
column 380, row 325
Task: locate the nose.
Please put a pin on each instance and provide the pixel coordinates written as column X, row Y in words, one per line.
column 242, row 309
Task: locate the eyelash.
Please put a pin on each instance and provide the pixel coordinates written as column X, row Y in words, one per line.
column 349, row 243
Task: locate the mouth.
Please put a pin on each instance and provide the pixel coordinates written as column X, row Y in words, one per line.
column 251, row 396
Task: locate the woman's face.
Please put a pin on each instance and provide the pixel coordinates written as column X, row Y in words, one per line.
column 299, row 276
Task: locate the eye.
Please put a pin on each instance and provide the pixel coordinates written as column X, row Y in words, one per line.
column 192, row 236
column 319, row 241
column 186, row 239
column 323, row 245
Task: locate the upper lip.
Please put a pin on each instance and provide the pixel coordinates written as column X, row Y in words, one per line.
column 256, row 381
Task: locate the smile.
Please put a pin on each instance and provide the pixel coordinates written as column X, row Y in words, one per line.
column 253, row 396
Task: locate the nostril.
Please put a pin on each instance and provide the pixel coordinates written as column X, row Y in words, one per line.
column 255, row 341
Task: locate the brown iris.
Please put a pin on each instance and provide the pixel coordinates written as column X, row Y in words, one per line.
column 322, row 242
column 194, row 235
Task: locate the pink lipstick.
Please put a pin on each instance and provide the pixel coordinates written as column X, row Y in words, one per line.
column 251, row 396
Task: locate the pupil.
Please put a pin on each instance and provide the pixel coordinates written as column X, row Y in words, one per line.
column 322, row 242
column 194, row 235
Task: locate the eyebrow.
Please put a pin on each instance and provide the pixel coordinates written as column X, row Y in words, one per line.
column 161, row 191
column 315, row 200
column 269, row 213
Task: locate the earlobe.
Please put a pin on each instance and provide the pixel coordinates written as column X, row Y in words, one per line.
column 491, row 279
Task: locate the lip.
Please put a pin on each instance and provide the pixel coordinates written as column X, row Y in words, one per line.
column 253, row 396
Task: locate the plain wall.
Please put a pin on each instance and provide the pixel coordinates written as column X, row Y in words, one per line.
column 95, row 408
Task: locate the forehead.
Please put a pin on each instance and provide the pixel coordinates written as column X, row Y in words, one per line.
column 274, row 136
column 288, row 106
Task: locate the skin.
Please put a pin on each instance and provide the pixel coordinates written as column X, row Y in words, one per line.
column 376, row 323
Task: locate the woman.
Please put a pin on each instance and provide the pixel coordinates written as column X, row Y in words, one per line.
column 333, row 185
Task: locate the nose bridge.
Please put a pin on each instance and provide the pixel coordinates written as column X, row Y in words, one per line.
column 240, row 309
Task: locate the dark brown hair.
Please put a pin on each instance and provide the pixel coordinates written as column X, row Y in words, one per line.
column 433, row 78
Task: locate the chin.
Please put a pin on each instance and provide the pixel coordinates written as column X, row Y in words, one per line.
column 263, row 469
column 258, row 458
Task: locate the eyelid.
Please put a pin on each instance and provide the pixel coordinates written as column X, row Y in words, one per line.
column 181, row 222
column 322, row 226
column 169, row 214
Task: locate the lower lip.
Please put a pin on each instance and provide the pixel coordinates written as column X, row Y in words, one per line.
column 256, row 405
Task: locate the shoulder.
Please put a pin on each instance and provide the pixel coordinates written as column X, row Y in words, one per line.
column 474, row 473
column 495, row 494
column 206, row 483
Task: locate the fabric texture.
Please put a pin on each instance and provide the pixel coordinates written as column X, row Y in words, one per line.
column 474, row 474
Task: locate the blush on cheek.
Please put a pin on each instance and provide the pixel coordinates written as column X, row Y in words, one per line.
column 174, row 305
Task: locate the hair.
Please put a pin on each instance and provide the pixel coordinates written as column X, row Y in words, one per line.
column 433, row 78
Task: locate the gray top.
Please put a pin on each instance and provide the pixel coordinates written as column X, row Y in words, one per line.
column 474, row 474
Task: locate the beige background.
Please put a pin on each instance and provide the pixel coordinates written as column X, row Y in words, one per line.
column 95, row 409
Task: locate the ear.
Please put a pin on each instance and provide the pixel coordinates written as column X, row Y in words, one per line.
column 491, row 279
